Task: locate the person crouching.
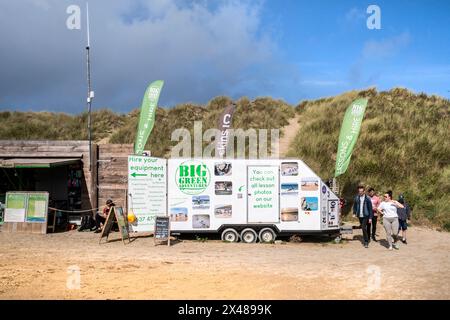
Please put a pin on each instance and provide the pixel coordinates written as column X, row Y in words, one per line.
column 100, row 217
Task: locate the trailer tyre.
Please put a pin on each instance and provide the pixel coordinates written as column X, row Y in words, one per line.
column 249, row 235
column 230, row 235
column 267, row 235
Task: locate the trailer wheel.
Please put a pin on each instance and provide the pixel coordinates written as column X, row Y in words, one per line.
column 230, row 235
column 249, row 235
column 267, row 235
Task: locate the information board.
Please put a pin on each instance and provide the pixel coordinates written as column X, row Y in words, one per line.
column 37, row 207
column 26, row 207
column 15, row 208
column 146, row 191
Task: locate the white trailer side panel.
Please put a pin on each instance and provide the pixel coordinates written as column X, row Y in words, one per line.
column 299, row 187
column 203, row 196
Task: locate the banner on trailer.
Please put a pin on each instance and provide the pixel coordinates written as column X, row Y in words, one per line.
column 263, row 192
column 146, row 191
column 333, row 213
column 349, row 134
column 329, row 208
column 224, row 124
column 324, row 193
column 147, row 116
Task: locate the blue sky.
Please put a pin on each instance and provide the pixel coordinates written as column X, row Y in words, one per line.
column 334, row 50
column 293, row 50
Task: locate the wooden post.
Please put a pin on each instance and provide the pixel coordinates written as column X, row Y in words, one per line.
column 168, row 237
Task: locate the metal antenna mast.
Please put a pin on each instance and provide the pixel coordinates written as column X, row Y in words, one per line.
column 90, row 93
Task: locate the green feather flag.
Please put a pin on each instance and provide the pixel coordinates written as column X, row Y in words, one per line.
column 147, row 116
column 349, row 134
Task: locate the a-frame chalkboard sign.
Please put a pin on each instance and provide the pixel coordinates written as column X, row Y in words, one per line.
column 117, row 213
column 162, row 230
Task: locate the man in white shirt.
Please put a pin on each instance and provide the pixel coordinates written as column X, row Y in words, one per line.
column 388, row 208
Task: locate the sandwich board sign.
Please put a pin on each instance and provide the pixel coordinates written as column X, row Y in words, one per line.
column 121, row 222
column 162, row 230
column 1, row 213
column 147, row 181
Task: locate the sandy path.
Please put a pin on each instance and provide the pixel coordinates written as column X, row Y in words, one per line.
column 36, row 267
column 290, row 131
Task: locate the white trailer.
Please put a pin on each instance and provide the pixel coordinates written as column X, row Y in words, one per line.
column 241, row 199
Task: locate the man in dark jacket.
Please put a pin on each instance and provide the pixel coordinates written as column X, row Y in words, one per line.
column 362, row 208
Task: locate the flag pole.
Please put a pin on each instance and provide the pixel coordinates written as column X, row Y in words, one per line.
column 90, row 94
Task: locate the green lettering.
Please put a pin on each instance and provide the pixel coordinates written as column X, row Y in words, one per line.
column 184, row 171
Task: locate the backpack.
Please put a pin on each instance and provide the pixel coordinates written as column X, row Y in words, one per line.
column 87, row 223
column 83, row 224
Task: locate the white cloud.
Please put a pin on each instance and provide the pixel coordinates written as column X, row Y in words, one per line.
column 355, row 14
column 323, row 83
column 43, row 4
column 376, row 50
column 386, row 47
